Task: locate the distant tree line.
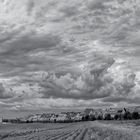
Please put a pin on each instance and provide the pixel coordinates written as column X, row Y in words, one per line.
column 124, row 116
column 108, row 116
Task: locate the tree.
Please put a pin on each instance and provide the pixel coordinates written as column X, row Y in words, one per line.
column 87, row 118
column 116, row 117
column 127, row 115
column 92, row 118
column 108, row 117
column 135, row 115
column 99, row 117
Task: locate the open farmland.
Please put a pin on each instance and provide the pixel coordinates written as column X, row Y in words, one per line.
column 70, row 131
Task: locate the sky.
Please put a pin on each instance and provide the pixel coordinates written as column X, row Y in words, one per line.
column 72, row 54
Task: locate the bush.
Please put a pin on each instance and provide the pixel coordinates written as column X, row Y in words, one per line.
column 108, row 117
column 116, row 117
column 99, row 117
column 135, row 115
column 127, row 116
column 92, row 118
column 87, row 118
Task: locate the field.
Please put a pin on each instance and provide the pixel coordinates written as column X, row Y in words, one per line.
column 103, row 130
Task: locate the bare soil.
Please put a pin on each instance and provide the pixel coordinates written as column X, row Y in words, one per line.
column 95, row 130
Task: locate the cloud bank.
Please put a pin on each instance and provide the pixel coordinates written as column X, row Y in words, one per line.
column 83, row 53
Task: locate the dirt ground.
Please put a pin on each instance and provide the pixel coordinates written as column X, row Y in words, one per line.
column 95, row 130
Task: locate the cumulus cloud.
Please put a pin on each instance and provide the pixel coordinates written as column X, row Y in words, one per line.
column 91, row 84
column 123, row 90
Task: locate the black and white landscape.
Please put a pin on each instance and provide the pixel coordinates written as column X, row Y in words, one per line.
column 70, row 69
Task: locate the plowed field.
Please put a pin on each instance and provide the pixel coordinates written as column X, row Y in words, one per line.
column 70, row 131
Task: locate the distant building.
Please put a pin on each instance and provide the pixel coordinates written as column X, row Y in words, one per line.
column 45, row 117
column 62, row 117
column 22, row 120
column 110, row 111
column 88, row 111
column 33, row 118
column 53, row 118
column 93, row 112
column 78, row 117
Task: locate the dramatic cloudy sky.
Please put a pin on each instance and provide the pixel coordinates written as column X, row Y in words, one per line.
column 64, row 54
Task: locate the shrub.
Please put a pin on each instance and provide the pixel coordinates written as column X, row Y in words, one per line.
column 127, row 116
column 87, row 118
column 99, row 117
column 116, row 117
column 92, row 118
column 108, row 117
column 135, row 115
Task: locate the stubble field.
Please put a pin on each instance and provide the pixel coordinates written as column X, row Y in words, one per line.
column 103, row 130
